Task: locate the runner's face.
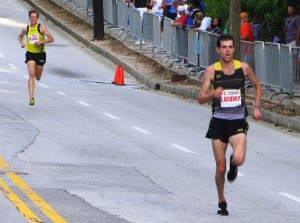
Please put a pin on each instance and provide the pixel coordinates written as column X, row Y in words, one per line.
column 33, row 18
column 226, row 50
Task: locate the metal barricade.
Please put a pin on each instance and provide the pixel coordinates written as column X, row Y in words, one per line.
column 213, row 56
column 193, row 50
column 296, row 69
column 247, row 53
column 272, row 64
column 147, row 26
column 123, row 18
column 110, row 12
column 180, row 42
column 260, row 62
column 286, row 68
column 204, row 49
column 167, row 42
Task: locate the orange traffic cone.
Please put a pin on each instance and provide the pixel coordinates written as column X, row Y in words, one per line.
column 121, row 76
column 115, row 81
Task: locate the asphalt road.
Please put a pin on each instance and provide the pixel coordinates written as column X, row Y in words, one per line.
column 90, row 151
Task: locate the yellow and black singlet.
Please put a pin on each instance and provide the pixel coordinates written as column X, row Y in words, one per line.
column 33, row 35
column 231, row 104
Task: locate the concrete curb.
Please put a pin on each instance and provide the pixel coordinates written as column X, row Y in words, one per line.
column 277, row 119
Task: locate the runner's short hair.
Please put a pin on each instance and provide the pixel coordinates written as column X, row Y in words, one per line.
column 33, row 11
column 224, row 37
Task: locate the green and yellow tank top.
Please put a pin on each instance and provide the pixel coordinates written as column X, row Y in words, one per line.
column 231, row 104
column 33, row 35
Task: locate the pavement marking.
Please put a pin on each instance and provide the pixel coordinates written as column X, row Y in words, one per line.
column 84, row 103
column 292, row 197
column 1, row 55
column 44, row 85
column 13, row 67
column 182, row 148
column 18, row 203
column 3, row 164
column 141, row 130
column 10, row 67
column 111, row 116
column 61, row 93
column 26, row 76
column 35, row 198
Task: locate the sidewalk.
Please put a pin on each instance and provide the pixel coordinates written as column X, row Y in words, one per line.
column 145, row 68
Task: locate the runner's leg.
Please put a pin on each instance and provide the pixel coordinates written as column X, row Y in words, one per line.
column 31, row 66
column 238, row 143
column 219, row 149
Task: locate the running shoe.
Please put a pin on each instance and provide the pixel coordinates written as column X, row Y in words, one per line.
column 222, row 208
column 31, row 102
column 233, row 171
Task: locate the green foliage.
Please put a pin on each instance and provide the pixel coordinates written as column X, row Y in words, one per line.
column 271, row 13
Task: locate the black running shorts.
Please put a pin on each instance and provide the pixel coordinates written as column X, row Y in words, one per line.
column 222, row 129
column 39, row 58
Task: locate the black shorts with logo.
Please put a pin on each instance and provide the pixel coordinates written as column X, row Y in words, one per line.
column 39, row 58
column 222, row 129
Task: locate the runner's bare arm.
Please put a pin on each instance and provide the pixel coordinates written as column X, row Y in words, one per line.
column 205, row 95
column 49, row 38
column 257, row 85
column 21, row 36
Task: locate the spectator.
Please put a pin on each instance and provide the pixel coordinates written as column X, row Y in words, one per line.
column 183, row 3
column 157, row 7
column 182, row 20
column 190, row 13
column 198, row 16
column 216, row 26
column 204, row 21
column 141, row 6
column 292, row 27
column 169, row 11
column 205, row 24
column 198, row 4
column 246, row 32
column 256, row 28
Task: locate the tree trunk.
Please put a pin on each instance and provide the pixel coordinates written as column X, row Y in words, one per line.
column 234, row 24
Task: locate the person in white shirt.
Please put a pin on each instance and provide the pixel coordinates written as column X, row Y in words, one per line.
column 157, row 7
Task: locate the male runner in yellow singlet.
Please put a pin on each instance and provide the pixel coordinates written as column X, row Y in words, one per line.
column 228, row 123
column 35, row 55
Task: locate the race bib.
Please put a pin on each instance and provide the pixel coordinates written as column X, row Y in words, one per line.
column 33, row 38
column 231, row 98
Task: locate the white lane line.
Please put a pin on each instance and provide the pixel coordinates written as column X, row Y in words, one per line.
column 1, row 55
column 292, row 197
column 111, row 116
column 44, row 85
column 61, row 93
column 182, row 148
column 84, row 103
column 13, row 67
column 25, row 76
column 141, row 130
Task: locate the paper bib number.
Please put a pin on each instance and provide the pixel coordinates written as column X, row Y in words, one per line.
column 231, row 98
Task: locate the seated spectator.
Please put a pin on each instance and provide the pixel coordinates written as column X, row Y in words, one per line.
column 157, row 7
column 182, row 20
column 216, row 26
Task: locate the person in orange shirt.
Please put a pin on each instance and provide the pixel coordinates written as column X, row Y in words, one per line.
column 246, row 32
